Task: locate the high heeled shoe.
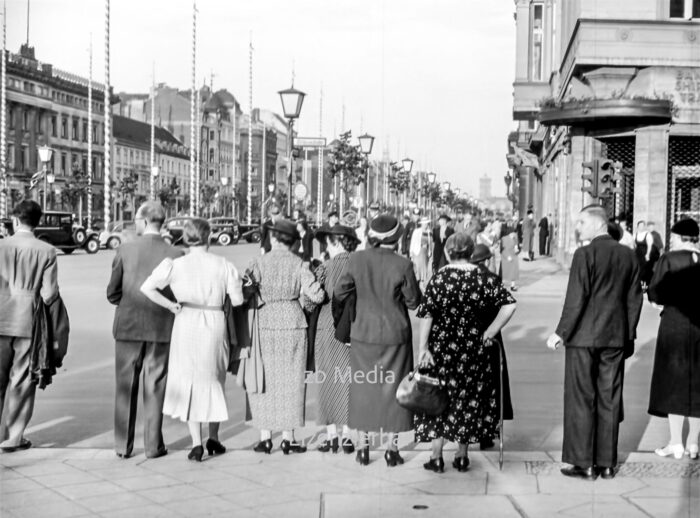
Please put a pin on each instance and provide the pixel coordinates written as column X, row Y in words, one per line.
column 393, row 458
column 292, row 447
column 196, row 453
column 692, row 451
column 461, row 464
column 264, row 446
column 436, row 465
column 214, row 447
column 327, row 446
column 362, row 456
column 348, row 446
column 677, row 450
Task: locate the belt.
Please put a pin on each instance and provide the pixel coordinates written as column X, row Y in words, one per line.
column 201, row 306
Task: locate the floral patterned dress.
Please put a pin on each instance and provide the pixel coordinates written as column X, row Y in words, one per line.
column 461, row 301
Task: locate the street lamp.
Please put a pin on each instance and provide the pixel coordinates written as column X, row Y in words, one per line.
column 366, row 144
column 45, row 157
column 446, row 186
column 292, row 99
column 431, row 178
column 407, row 165
column 224, row 183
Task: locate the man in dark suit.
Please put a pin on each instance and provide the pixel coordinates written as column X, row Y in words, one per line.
column 440, row 235
column 142, row 333
column 265, row 244
column 408, row 232
column 598, row 327
column 27, row 272
column 543, row 226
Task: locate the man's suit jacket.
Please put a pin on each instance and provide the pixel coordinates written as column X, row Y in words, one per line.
column 439, row 259
column 27, row 272
column 385, row 286
column 544, row 226
column 406, row 237
column 603, row 298
column 308, row 242
column 265, row 229
column 136, row 317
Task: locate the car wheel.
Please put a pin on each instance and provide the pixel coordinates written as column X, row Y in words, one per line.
column 79, row 236
column 113, row 242
column 168, row 240
column 255, row 237
column 92, row 246
column 224, row 239
column 68, row 251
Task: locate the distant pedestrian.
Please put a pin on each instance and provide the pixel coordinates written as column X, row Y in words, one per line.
column 598, row 327
column 644, row 248
column 28, row 275
column 199, row 353
column 381, row 351
column 657, row 240
column 510, row 267
column 543, row 227
column 463, row 309
column 529, row 236
column 333, row 220
column 361, row 233
column 419, row 252
column 472, row 225
column 675, row 380
column 273, row 215
column 304, row 246
column 440, row 235
column 142, row 332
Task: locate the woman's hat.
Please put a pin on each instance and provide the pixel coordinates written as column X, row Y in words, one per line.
column 445, row 217
column 336, row 230
column 481, row 253
column 458, row 242
column 386, row 229
column 284, row 226
column 686, row 227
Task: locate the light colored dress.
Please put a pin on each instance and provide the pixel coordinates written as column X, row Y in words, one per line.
column 198, row 347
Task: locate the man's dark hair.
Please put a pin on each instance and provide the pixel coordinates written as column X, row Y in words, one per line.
column 349, row 244
column 28, row 212
column 283, row 238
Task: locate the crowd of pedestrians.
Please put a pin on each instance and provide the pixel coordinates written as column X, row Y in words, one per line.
column 183, row 320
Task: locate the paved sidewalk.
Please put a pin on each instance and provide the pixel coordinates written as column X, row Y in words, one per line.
column 61, row 483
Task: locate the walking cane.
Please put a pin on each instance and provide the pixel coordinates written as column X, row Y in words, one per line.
column 495, row 343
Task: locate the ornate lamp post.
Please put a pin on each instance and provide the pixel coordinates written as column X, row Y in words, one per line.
column 366, row 144
column 292, row 99
column 224, row 183
column 431, row 180
column 155, row 171
column 45, row 157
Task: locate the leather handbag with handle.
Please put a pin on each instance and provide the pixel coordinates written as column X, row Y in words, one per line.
column 422, row 394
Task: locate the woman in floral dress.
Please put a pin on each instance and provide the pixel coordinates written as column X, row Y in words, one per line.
column 454, row 337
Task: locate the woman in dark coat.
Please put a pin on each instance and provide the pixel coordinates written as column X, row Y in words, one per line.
column 381, row 351
column 675, row 381
column 331, row 355
column 304, row 246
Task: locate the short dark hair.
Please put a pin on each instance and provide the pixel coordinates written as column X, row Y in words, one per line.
column 349, row 244
column 196, row 232
column 283, row 238
column 28, row 212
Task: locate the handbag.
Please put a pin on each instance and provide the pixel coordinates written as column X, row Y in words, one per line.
column 422, row 394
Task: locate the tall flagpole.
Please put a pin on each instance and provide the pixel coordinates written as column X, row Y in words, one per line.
column 234, row 205
column 3, row 121
column 264, row 170
column 319, row 188
column 108, row 125
column 198, row 176
column 193, row 136
column 249, row 197
column 90, row 141
column 153, row 133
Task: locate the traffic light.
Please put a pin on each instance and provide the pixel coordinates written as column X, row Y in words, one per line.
column 591, row 177
column 608, row 178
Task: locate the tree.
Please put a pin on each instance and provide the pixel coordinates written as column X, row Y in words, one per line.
column 207, row 196
column 127, row 189
column 348, row 164
column 75, row 189
column 168, row 193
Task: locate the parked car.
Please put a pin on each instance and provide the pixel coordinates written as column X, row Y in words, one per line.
column 251, row 233
column 224, row 231
column 6, row 229
column 173, row 228
column 57, row 229
column 122, row 231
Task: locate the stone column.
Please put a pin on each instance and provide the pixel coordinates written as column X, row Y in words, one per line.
column 651, row 176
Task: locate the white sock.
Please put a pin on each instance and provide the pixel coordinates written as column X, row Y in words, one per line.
column 287, row 436
column 332, row 431
column 265, row 435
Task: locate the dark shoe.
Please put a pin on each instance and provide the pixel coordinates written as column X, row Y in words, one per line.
column 263, row 446
column 196, row 453
column 392, row 458
column 327, row 446
column 24, row 444
column 579, row 472
column 215, row 447
column 161, row 453
column 348, row 446
column 363, row 456
column 123, row 455
column 608, row 473
column 292, row 447
column 436, row 465
column 486, row 444
column 461, row 464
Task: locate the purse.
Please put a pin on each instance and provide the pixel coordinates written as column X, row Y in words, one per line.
column 422, row 394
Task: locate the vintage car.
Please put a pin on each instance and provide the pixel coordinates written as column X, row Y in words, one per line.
column 57, row 229
column 224, row 230
column 121, row 232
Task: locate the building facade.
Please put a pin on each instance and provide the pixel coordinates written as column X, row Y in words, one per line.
column 49, row 107
column 613, row 81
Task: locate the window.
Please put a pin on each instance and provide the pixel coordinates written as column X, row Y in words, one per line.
column 25, row 158
column 94, row 133
column 211, row 154
column 25, row 120
column 64, row 127
column 11, row 118
column 685, row 9
column 84, row 164
column 75, row 134
column 85, row 131
column 64, row 160
column 54, row 125
column 211, row 173
column 211, row 135
column 11, row 156
column 536, row 37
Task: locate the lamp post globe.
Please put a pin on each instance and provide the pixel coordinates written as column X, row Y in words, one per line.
column 366, row 143
column 407, row 165
column 292, row 100
column 446, row 186
column 431, row 177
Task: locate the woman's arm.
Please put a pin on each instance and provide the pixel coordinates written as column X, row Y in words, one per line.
column 504, row 315
column 155, row 296
column 424, row 355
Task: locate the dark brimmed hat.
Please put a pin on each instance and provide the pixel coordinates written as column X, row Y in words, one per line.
column 386, row 229
column 445, row 217
column 284, row 226
column 480, row 253
column 333, row 213
column 458, row 242
column 336, row 230
column 686, row 227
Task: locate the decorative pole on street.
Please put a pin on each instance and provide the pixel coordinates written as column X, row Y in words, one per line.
column 194, row 139
column 249, row 189
column 108, row 127
column 90, row 135
column 319, row 189
column 366, row 144
column 234, row 213
column 3, row 120
column 263, row 172
column 153, row 133
column 292, row 99
column 198, row 175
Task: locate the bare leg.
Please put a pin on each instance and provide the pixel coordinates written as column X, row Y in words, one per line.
column 693, row 430
column 675, row 424
column 437, row 448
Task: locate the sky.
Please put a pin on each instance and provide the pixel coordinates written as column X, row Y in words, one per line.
column 430, row 79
